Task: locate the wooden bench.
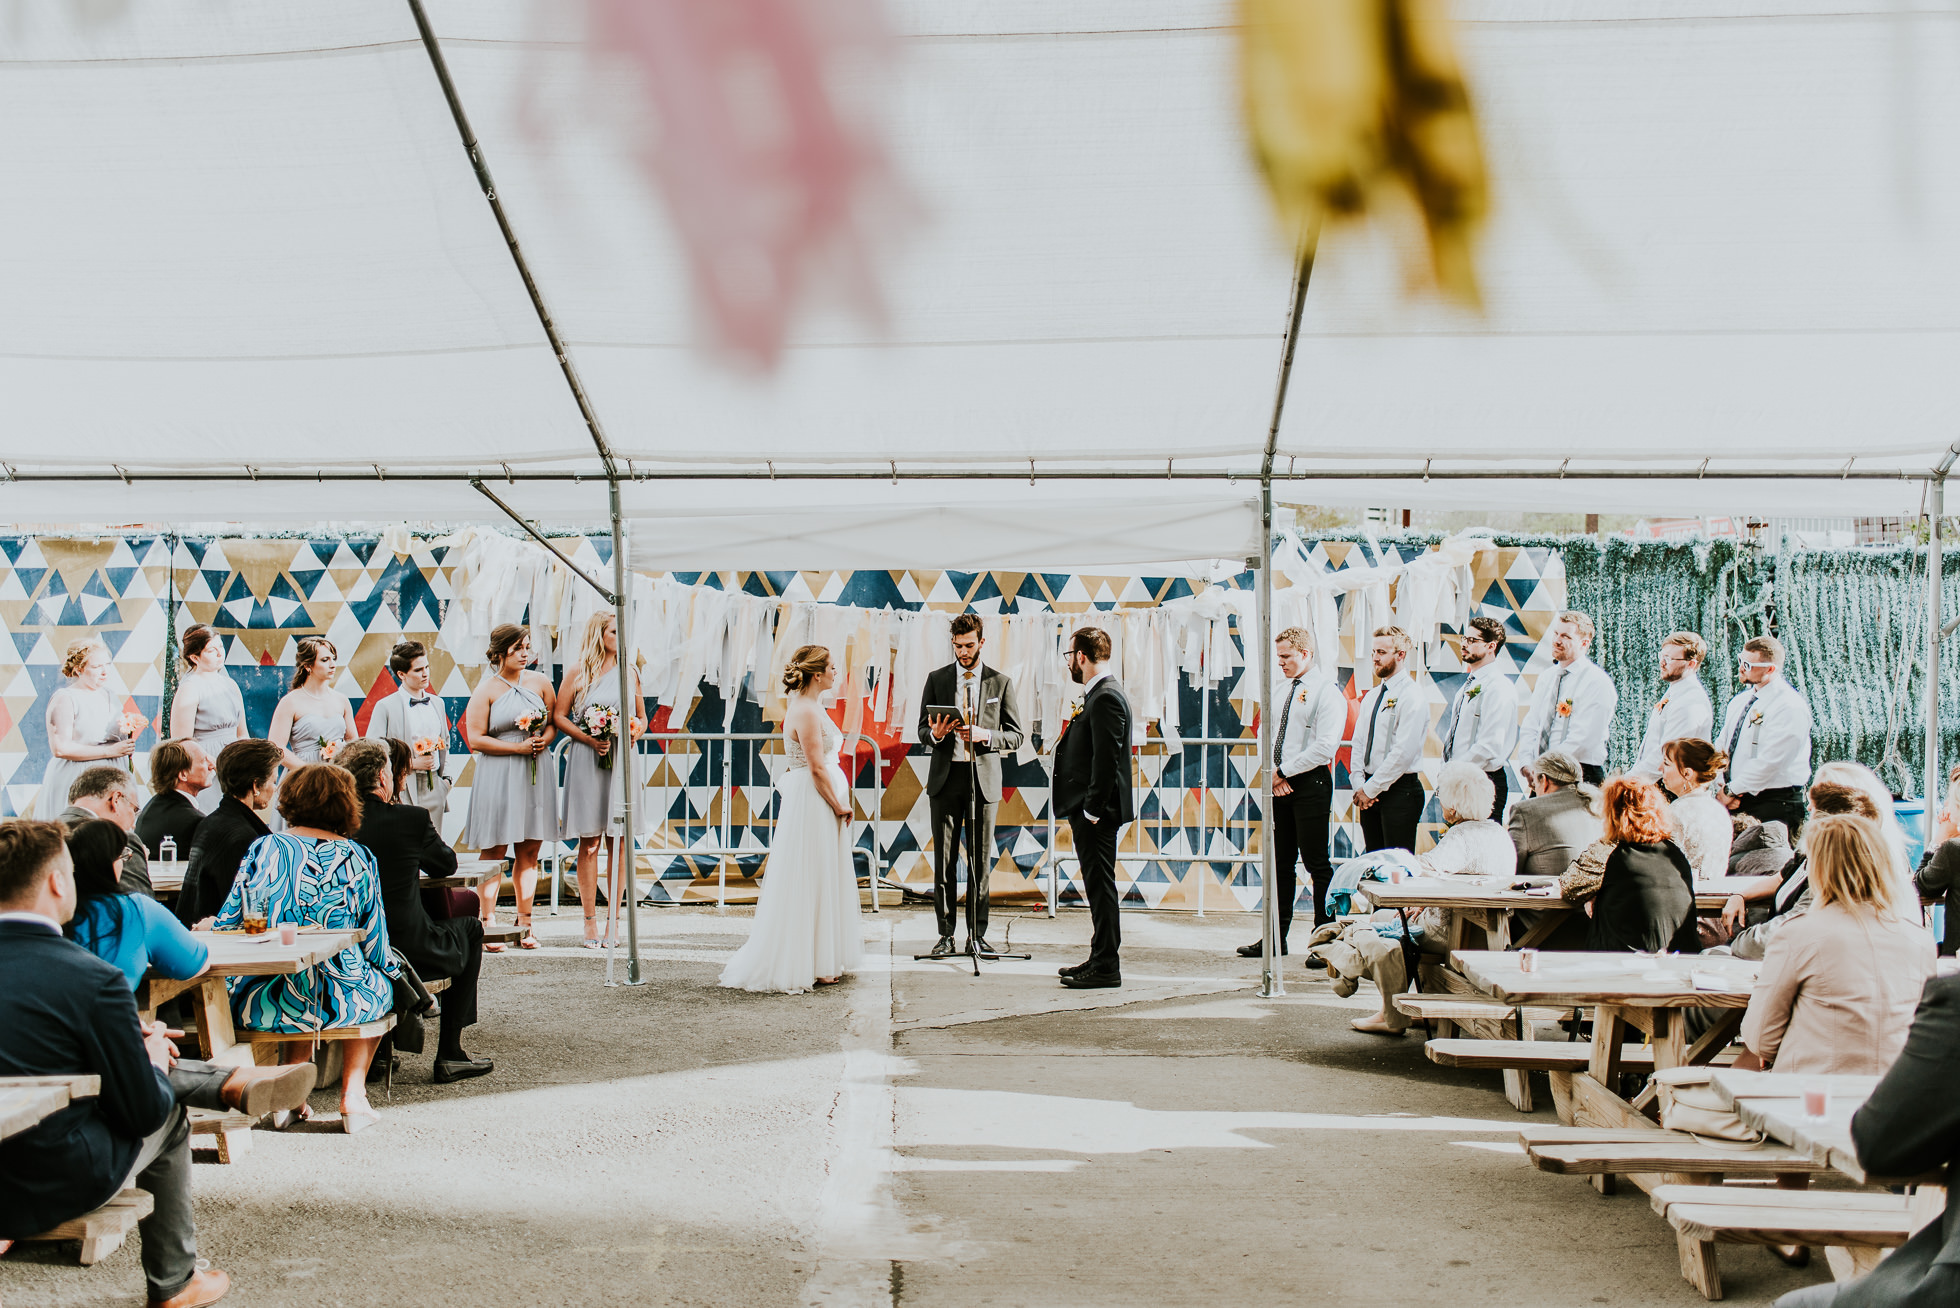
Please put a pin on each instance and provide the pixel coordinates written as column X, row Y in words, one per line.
column 103, row 1231
column 502, row 933
column 1593, row 1151
column 1453, row 1010
column 230, row 1133
column 265, row 1045
column 1531, row 1055
column 1861, row 1222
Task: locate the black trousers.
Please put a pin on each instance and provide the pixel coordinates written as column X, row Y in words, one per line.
column 1785, row 804
column 1503, row 789
column 952, row 817
column 1300, row 833
column 1392, row 820
column 459, row 1001
column 1095, row 850
column 1593, row 774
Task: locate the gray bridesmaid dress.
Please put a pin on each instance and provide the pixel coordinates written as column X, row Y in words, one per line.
column 592, row 801
column 506, row 806
column 220, row 708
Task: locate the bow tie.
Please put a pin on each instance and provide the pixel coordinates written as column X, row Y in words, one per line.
column 413, row 701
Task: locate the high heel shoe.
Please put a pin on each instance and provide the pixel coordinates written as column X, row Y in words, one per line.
column 358, row 1119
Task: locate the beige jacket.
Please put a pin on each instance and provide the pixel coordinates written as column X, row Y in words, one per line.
column 1837, row 992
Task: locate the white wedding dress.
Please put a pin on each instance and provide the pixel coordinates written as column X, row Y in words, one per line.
column 807, row 918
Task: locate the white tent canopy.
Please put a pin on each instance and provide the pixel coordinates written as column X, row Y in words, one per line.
column 1727, row 238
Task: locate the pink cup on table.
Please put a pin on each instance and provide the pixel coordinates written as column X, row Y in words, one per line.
column 1816, row 1102
column 288, row 933
column 1527, row 960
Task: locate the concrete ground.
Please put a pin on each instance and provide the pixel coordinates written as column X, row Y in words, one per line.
column 918, row 1137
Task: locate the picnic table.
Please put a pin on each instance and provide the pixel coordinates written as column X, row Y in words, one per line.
column 1644, row 992
column 166, row 879
column 231, row 955
column 1490, row 904
column 23, row 1106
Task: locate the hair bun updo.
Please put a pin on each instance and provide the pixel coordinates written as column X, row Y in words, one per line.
column 805, row 666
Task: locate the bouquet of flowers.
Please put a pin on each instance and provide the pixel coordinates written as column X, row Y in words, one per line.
column 132, row 725
column 328, row 748
column 424, row 747
column 534, row 724
column 598, row 721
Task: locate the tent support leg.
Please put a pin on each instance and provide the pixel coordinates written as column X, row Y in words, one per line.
column 1935, row 768
column 624, row 757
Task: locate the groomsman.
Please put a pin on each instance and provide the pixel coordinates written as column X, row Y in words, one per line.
column 1092, row 790
column 1482, row 725
column 988, row 727
column 1684, row 709
column 414, row 713
column 1572, row 707
column 1312, row 715
column 1766, row 734
column 1388, row 736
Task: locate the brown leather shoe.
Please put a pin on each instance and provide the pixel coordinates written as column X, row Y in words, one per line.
column 207, row 1286
column 256, row 1091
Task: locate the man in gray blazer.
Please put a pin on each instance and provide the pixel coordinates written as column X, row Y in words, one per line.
column 1555, row 823
column 415, row 712
column 984, row 698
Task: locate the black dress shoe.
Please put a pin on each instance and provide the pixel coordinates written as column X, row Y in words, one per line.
column 1072, row 969
column 1257, row 949
column 1086, row 980
column 449, row 1069
column 986, row 948
column 944, row 949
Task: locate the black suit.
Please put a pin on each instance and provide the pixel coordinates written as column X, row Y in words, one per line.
column 949, row 787
column 405, row 845
column 1092, row 790
column 172, row 814
column 64, row 1011
column 215, row 853
column 1910, row 1126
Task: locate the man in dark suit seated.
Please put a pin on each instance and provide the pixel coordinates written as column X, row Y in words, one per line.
column 109, row 792
column 1911, row 1127
column 404, row 843
column 248, row 772
column 63, row 1011
column 178, row 770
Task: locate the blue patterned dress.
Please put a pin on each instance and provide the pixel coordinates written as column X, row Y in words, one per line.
column 327, row 883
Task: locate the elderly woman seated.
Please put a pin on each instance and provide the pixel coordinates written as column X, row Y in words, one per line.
column 1473, row 845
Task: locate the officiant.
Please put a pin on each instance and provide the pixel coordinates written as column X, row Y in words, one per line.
column 984, row 725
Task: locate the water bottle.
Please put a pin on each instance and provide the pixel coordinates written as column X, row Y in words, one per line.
column 167, row 850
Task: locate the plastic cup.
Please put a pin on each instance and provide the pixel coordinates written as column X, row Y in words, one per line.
column 288, row 933
column 1527, row 960
column 1816, row 1103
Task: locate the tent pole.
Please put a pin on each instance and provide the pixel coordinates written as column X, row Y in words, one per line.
column 1271, row 973
column 627, row 888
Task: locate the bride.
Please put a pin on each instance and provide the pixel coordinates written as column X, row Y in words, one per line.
column 806, row 922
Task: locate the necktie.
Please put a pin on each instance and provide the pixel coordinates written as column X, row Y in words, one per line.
column 1741, row 720
column 1449, row 735
column 414, row 702
column 1279, row 741
column 1551, row 718
column 1368, row 754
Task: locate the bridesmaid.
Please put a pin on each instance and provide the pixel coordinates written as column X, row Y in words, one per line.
column 208, row 707
column 590, row 812
column 514, row 791
column 84, row 724
column 313, row 720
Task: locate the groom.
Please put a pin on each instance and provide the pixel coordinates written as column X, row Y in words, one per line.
column 992, row 727
column 1092, row 790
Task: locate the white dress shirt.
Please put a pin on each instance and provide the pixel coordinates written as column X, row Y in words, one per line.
column 1388, row 743
column 1310, row 722
column 1682, row 710
column 966, row 697
column 1766, row 734
column 1582, row 731
column 1481, row 727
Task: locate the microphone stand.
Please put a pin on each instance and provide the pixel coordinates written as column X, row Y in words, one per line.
column 976, row 870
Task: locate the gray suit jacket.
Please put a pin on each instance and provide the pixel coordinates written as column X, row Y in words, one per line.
column 136, row 860
column 998, row 714
column 1552, row 830
column 429, row 790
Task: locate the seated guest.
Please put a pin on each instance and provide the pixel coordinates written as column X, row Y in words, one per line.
column 1911, row 1127
column 110, row 792
column 65, row 1012
column 403, row 840
column 1472, row 845
column 1838, row 985
column 1787, row 883
column 1702, row 825
column 248, row 775
column 1938, row 878
column 1898, row 861
column 1646, row 897
column 315, row 874
column 138, row 935
column 179, row 769
column 1559, row 818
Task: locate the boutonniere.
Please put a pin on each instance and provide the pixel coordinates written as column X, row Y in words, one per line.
column 1474, row 691
column 1663, row 704
column 1075, row 710
column 1389, row 703
column 1303, row 694
column 1756, row 718
column 1565, row 708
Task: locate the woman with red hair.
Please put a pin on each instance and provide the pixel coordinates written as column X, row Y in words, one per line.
column 1646, row 899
